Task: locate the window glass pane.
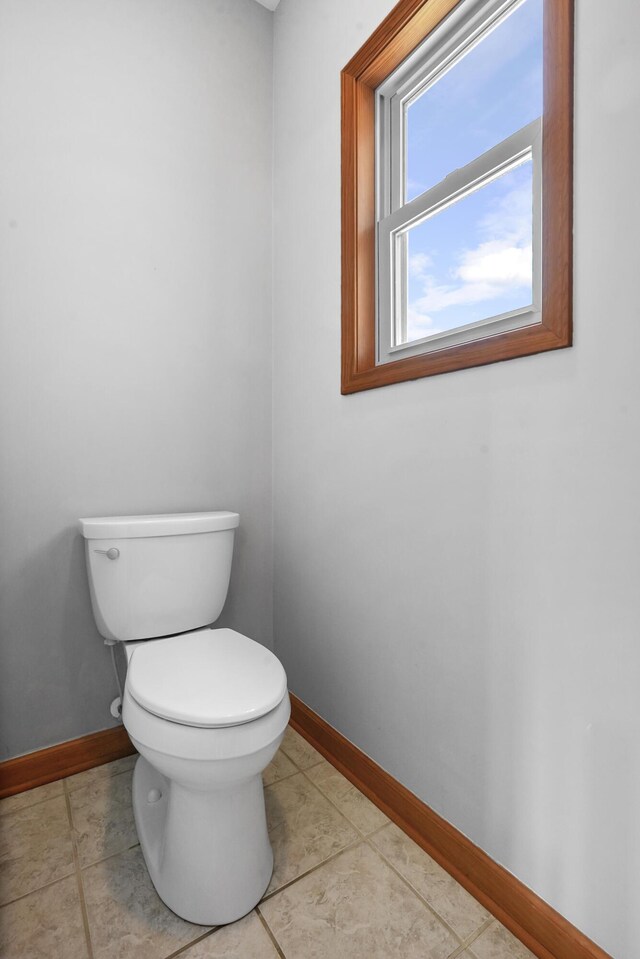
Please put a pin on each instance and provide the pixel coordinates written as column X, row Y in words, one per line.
column 490, row 93
column 473, row 260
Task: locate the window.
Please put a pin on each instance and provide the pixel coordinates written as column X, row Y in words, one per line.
column 456, row 188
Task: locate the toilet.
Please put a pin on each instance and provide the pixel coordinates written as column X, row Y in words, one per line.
column 205, row 708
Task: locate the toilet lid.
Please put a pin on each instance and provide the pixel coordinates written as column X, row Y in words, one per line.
column 212, row 677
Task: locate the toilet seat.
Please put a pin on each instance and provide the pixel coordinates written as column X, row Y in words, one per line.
column 208, row 678
column 200, row 743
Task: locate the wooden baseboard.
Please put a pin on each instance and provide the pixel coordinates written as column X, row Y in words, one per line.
column 65, row 759
column 543, row 930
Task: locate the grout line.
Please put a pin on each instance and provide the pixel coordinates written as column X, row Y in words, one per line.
column 334, row 804
column 282, row 778
column 302, row 769
column 193, row 942
column 483, row 928
column 465, row 943
column 45, row 885
column 95, row 782
column 281, row 747
column 365, row 835
column 112, row 855
column 30, row 805
column 359, row 837
column 384, row 825
column 306, row 741
column 469, row 941
column 460, row 951
column 276, row 944
column 70, row 792
column 78, row 873
column 474, row 936
column 419, row 896
column 331, row 802
column 286, row 885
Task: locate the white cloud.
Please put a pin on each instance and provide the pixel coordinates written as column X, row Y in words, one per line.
column 419, row 325
column 419, row 263
column 511, row 218
column 501, row 262
column 498, row 263
column 440, row 296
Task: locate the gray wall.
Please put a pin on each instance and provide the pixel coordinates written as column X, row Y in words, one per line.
column 135, row 289
column 457, row 558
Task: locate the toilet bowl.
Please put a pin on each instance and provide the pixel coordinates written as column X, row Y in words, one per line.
column 197, row 789
column 206, row 708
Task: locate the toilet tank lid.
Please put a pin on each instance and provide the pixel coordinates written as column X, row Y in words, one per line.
column 163, row 524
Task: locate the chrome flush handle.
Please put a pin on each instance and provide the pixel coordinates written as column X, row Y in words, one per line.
column 111, row 553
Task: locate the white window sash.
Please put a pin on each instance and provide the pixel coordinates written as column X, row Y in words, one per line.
column 466, row 26
column 392, row 246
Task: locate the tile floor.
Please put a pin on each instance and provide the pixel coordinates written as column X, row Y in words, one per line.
column 347, row 883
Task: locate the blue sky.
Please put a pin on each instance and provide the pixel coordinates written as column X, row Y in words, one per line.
column 473, row 260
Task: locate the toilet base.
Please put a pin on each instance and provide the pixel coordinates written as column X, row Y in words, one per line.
column 207, row 852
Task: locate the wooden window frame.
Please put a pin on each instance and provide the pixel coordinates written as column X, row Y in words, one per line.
column 398, row 35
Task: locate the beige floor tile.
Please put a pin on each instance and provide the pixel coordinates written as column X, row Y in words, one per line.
column 46, row 924
column 299, row 750
column 35, row 848
column 463, row 913
column 304, row 828
column 246, row 939
column 30, row 797
column 498, row 943
column 91, row 776
column 350, row 801
column 278, row 768
column 126, row 916
column 102, row 816
column 355, row 907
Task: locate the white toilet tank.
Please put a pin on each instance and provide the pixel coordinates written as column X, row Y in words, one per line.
column 152, row 576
